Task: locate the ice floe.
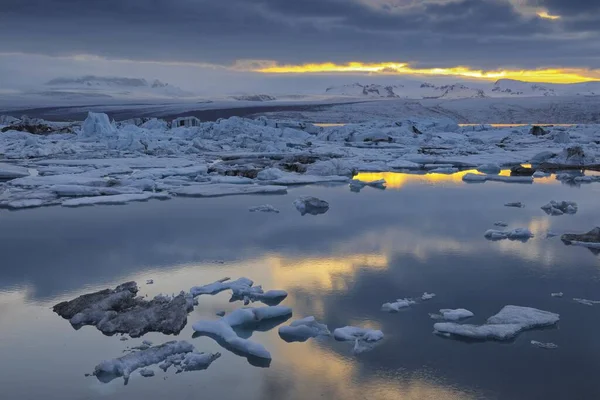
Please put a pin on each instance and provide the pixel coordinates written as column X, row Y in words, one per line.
column 397, row 305
column 311, row 205
column 114, row 199
column 364, row 339
column 267, row 208
column 586, row 301
column 180, row 352
column 120, row 311
column 452, row 315
column 303, row 329
column 501, row 224
column 541, row 345
column 522, row 234
column 505, row 325
column 8, row 171
column 427, row 296
column 557, row 294
column 560, row 207
column 222, row 330
column 226, row 189
column 517, row 204
column 241, row 289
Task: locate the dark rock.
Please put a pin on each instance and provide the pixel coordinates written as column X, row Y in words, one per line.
column 592, row 236
column 521, row 171
column 416, row 130
column 538, row 131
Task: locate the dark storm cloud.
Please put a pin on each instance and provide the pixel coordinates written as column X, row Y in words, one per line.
column 480, row 33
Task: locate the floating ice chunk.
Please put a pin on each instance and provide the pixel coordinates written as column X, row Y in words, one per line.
column 146, row 372
column 572, row 156
column 516, row 234
column 489, row 168
column 505, row 325
column 270, row 174
column 221, row 285
column 74, row 179
column 557, row 294
column 303, row 329
column 547, row 346
column 311, row 205
column 149, row 281
column 587, row 302
column 470, row 177
column 198, row 361
column 501, row 224
column 589, row 245
column 517, row 204
column 97, row 125
column 264, row 208
column 226, row 189
column 26, row 203
column 443, row 170
column 124, row 366
column 427, row 296
column 222, row 329
column 120, row 311
column 560, row 207
column 541, row 174
column 364, row 339
column 551, row 234
column 397, row 305
column 8, row 171
column 590, row 239
column 114, row 199
column 453, row 315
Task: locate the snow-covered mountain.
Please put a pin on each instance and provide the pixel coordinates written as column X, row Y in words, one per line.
column 114, row 87
column 511, row 87
column 372, row 91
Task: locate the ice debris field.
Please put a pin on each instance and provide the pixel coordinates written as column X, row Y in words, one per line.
column 98, row 161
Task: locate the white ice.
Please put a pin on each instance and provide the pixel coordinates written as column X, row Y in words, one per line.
column 453, row 315
column 427, row 296
column 515, row 234
column 557, row 294
column 397, row 305
column 303, row 329
column 586, row 301
column 364, row 339
column 113, row 200
column 505, row 325
column 8, row 171
column 547, row 346
column 560, row 207
column 264, row 208
column 226, row 189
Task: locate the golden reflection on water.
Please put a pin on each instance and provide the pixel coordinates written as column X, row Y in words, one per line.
column 396, row 180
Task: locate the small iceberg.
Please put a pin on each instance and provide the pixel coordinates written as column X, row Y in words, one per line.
column 170, row 351
column 264, row 208
column 242, row 289
column 311, row 205
column 522, row 234
column 397, row 305
column 357, row 185
column 427, row 296
column 587, row 302
column 557, row 294
column 560, row 207
column 303, row 329
column 501, row 224
column 364, row 339
column 222, row 330
column 516, row 204
column 505, row 325
column 452, row 315
column 547, row 346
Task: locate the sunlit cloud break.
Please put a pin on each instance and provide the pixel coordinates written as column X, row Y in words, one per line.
column 548, row 75
column 545, row 15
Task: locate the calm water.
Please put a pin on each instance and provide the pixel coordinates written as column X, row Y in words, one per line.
column 422, row 234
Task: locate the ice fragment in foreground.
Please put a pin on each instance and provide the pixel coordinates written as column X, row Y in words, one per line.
column 547, row 346
column 587, row 302
column 311, row 205
column 241, row 289
column 397, row 305
column 149, row 281
column 303, row 329
column 505, row 325
column 590, row 239
column 264, row 208
column 452, row 315
column 557, row 294
column 522, row 234
column 427, row 296
column 560, row 207
column 364, row 339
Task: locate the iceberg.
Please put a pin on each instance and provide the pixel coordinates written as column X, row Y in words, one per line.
column 242, row 289
column 311, row 205
column 546, row 346
column 452, row 315
column 97, row 126
column 560, row 207
column 397, row 305
column 264, row 208
column 303, row 329
column 364, row 339
column 427, row 296
column 505, row 325
column 522, row 234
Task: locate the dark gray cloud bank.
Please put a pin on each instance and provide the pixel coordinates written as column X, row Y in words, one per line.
column 477, row 33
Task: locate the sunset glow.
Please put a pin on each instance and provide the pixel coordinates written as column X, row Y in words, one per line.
column 549, row 75
column 545, row 15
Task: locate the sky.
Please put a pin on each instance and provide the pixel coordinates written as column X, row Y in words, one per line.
column 209, row 43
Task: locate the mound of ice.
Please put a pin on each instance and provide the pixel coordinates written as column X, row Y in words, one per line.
column 222, row 329
column 311, row 205
column 120, row 311
column 97, row 125
column 242, row 289
column 489, row 168
column 264, row 208
column 505, row 325
column 560, row 207
column 523, row 234
column 397, row 305
column 364, row 339
column 573, row 156
column 452, row 315
column 175, row 352
column 303, row 329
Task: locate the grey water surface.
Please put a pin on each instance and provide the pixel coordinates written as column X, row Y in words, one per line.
column 370, row 248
